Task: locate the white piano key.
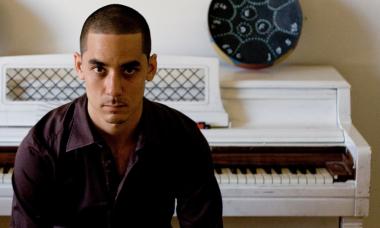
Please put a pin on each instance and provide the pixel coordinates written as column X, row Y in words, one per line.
column 224, row 177
column 285, row 176
column 7, row 178
column 233, row 177
column 276, row 178
column 217, row 176
column 242, row 178
column 259, row 176
column 1, row 175
column 250, row 177
column 266, row 178
column 327, row 176
column 310, row 177
column 319, row 178
column 301, row 178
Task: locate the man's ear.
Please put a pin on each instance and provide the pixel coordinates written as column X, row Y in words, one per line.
column 78, row 65
column 152, row 67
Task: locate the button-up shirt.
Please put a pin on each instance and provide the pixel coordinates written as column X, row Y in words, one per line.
column 65, row 174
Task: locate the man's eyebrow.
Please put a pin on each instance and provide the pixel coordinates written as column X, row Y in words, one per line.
column 131, row 64
column 96, row 62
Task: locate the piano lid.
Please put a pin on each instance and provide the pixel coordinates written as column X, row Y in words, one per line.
column 284, row 104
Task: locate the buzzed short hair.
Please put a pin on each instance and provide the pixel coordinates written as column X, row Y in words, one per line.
column 116, row 19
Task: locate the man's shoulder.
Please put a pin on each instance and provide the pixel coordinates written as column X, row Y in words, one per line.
column 168, row 116
column 55, row 121
column 166, row 123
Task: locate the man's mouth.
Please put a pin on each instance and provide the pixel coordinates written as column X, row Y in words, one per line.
column 113, row 107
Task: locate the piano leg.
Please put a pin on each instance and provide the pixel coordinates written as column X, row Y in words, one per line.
column 351, row 222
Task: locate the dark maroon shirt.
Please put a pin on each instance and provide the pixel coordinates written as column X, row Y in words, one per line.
column 65, row 174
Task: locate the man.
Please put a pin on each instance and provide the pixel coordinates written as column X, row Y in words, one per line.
column 111, row 158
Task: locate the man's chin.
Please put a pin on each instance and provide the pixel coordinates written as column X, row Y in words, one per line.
column 116, row 121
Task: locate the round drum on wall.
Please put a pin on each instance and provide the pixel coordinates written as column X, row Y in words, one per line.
column 255, row 33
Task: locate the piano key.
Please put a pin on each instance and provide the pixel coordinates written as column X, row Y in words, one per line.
column 276, row 178
column 224, row 177
column 232, row 176
column 328, row 178
column 277, row 170
column 243, row 170
column 1, row 175
column 250, row 177
column 217, row 176
column 312, row 170
column 262, row 177
column 301, row 177
column 293, row 177
column 310, row 177
column 7, row 178
column 253, row 170
column 242, row 178
column 293, row 170
column 319, row 178
column 268, row 170
column 285, row 176
column 302, row 169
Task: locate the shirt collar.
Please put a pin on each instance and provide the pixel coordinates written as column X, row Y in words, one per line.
column 82, row 132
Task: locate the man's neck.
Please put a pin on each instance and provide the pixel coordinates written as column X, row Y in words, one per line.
column 122, row 140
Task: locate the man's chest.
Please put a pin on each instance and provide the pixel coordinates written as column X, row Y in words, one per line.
column 92, row 177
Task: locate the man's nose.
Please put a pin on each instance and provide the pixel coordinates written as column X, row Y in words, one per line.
column 113, row 84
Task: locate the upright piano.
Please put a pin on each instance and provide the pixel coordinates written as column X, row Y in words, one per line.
column 282, row 139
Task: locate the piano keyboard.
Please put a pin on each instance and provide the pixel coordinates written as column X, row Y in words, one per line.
column 285, row 176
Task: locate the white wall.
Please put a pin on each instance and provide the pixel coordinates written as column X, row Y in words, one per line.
column 43, row 26
column 342, row 33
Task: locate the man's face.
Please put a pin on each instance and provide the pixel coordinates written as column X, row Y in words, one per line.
column 114, row 69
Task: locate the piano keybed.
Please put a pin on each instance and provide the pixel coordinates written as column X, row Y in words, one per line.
column 257, row 165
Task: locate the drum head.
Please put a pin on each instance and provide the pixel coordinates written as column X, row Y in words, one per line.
column 254, row 33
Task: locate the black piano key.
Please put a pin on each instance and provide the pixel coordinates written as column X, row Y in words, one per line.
column 293, row 170
column 312, row 170
column 302, row 170
column 6, row 168
column 277, row 170
column 253, row 170
column 243, row 170
column 268, row 170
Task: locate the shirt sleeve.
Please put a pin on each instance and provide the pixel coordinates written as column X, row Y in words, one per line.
column 199, row 202
column 32, row 183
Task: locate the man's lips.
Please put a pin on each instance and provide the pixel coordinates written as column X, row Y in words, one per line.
column 114, row 107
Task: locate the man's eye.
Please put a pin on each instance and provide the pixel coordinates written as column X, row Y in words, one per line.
column 99, row 70
column 130, row 71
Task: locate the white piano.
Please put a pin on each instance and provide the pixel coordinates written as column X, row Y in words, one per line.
column 282, row 139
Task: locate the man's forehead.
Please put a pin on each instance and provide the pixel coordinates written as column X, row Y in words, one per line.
column 113, row 39
column 116, row 42
column 113, row 49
